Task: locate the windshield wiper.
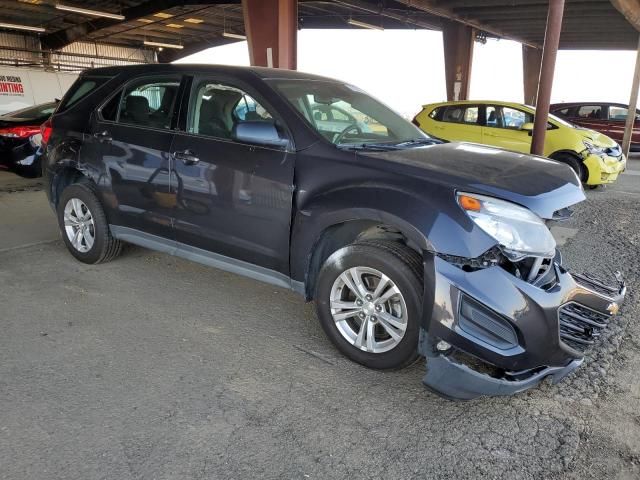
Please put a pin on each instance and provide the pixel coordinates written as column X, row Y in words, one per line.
column 367, row 146
column 417, row 141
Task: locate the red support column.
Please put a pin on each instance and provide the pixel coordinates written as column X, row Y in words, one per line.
column 531, row 62
column 547, row 69
column 633, row 104
column 458, row 54
column 288, row 34
column 272, row 29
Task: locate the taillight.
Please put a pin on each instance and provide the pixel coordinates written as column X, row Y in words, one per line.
column 19, row 132
column 45, row 129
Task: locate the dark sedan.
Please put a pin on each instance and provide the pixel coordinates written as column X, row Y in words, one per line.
column 607, row 118
column 20, row 139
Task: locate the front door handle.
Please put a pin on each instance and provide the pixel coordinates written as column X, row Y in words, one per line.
column 186, row 156
column 103, row 136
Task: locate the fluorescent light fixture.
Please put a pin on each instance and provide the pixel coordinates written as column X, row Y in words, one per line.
column 163, row 45
column 162, row 15
column 174, row 25
column 86, row 11
column 357, row 23
column 144, row 20
column 234, row 35
column 193, row 20
column 11, row 26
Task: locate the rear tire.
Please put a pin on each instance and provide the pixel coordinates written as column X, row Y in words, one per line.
column 575, row 163
column 84, row 225
column 381, row 325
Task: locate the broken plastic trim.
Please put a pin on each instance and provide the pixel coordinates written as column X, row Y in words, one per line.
column 457, row 381
column 535, row 270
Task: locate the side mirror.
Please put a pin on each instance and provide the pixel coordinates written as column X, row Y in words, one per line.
column 527, row 127
column 258, row 132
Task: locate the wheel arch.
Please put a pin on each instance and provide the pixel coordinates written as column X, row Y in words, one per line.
column 312, row 246
column 66, row 175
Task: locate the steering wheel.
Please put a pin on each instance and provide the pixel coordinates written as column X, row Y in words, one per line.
column 343, row 133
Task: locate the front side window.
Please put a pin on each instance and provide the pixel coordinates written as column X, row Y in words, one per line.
column 148, row 104
column 345, row 115
column 514, row 119
column 590, row 111
column 216, row 108
column 618, row 113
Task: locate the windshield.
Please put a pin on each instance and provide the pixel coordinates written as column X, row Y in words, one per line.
column 346, row 116
column 560, row 120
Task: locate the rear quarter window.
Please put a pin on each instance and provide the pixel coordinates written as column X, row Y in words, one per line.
column 80, row 90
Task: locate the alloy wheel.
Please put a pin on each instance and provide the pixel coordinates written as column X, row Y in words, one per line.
column 79, row 225
column 368, row 309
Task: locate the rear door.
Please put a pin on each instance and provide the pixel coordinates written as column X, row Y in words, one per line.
column 233, row 199
column 460, row 123
column 135, row 130
column 503, row 128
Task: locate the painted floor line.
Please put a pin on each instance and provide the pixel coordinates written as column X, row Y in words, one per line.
column 27, row 245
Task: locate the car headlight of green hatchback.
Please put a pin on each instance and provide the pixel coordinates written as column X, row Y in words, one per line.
column 593, row 148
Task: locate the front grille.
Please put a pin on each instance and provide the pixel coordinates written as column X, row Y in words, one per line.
column 580, row 326
column 592, row 283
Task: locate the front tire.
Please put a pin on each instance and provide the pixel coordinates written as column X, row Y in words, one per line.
column 84, row 225
column 575, row 164
column 369, row 299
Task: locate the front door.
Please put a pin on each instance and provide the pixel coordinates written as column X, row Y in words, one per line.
column 135, row 128
column 233, row 199
column 503, row 128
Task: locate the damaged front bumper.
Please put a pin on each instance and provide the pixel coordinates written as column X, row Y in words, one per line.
column 489, row 332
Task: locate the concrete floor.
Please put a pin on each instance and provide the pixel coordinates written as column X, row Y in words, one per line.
column 151, row 367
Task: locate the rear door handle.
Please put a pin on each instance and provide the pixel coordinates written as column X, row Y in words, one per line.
column 186, row 156
column 103, row 136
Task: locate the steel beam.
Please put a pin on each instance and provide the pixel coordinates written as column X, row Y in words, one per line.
column 458, row 55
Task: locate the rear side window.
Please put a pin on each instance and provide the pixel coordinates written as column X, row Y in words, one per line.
column 79, row 90
column 149, row 103
column 590, row 111
column 461, row 114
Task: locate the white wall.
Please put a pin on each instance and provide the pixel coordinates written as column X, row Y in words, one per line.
column 23, row 87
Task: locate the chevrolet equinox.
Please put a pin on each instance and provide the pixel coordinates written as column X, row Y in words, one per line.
column 409, row 247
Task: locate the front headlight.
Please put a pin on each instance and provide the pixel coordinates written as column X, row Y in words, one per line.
column 592, row 148
column 518, row 230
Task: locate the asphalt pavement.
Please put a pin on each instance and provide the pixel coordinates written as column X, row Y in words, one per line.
column 152, row 367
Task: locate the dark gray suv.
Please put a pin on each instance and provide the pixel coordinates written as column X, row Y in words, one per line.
column 407, row 245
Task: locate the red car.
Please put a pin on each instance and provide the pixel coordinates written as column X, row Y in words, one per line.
column 607, row 118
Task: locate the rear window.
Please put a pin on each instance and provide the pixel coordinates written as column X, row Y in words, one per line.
column 79, row 90
column 35, row 112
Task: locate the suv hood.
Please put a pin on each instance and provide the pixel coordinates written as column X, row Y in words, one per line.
column 540, row 184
